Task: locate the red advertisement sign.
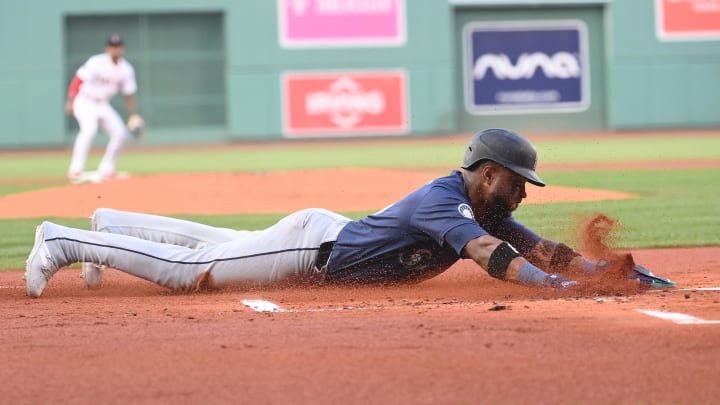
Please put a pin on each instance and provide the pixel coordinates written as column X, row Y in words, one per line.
column 345, row 103
column 688, row 19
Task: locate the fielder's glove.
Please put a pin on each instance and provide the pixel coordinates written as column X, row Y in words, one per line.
column 646, row 277
column 136, row 126
column 624, row 266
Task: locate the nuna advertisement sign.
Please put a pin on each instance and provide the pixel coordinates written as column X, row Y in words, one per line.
column 526, row 67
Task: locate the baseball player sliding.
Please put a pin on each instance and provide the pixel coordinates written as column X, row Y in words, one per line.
column 95, row 83
column 467, row 214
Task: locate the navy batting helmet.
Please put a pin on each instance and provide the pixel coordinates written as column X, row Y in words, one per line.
column 506, row 148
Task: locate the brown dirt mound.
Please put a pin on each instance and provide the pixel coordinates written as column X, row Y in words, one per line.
column 436, row 342
column 232, row 193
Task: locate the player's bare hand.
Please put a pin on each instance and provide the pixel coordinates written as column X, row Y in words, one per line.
column 69, row 108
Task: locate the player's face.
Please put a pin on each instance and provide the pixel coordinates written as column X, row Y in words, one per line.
column 115, row 51
column 507, row 191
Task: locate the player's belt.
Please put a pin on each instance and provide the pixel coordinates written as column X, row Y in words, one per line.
column 324, row 254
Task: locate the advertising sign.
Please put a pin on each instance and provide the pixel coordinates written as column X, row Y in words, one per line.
column 526, row 67
column 687, row 19
column 323, row 23
column 344, row 103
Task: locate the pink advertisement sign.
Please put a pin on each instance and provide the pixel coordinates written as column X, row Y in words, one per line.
column 327, row 23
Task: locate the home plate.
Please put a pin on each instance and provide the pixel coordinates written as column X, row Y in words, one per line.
column 678, row 318
column 262, row 306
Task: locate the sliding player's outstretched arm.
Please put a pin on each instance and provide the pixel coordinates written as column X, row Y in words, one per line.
column 502, row 261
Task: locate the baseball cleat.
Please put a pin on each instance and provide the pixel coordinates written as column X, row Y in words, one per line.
column 40, row 266
column 85, row 177
column 113, row 176
column 647, row 278
column 76, row 178
column 92, row 274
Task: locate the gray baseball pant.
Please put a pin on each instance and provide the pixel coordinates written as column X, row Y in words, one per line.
column 186, row 255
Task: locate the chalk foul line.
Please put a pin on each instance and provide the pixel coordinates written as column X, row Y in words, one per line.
column 676, row 317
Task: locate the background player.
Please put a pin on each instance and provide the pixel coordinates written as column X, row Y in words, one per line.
column 467, row 214
column 95, row 83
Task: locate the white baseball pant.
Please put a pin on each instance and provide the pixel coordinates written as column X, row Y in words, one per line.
column 185, row 255
column 90, row 114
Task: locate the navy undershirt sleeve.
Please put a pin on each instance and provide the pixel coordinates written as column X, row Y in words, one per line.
column 516, row 234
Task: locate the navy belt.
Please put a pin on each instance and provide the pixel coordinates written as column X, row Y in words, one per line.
column 324, row 254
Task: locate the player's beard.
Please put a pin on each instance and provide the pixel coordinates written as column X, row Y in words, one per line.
column 498, row 209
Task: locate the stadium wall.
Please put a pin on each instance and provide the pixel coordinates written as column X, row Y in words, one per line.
column 220, row 70
column 658, row 80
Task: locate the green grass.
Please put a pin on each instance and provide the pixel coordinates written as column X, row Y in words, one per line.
column 630, row 149
column 284, row 157
column 6, row 189
column 673, row 208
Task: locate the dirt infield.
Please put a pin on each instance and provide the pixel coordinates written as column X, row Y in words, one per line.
column 231, row 193
column 436, row 342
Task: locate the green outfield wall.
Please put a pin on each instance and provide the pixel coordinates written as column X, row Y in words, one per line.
column 222, row 70
column 657, row 83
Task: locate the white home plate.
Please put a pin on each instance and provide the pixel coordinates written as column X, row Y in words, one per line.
column 700, row 289
column 681, row 319
column 262, row 306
